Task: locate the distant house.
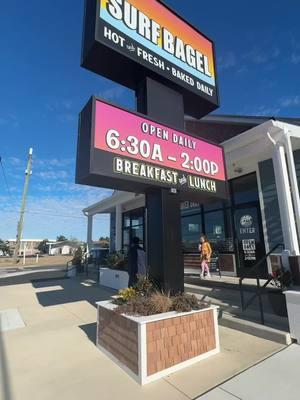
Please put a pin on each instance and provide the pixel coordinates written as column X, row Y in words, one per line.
column 29, row 246
column 65, row 248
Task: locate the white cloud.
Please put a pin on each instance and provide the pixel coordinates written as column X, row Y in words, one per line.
column 50, row 216
column 63, row 110
column 59, row 105
column 112, row 93
column 262, row 56
column 67, row 117
column 290, row 101
column 227, row 60
column 295, row 58
column 267, row 111
column 55, row 174
column 67, row 104
column 256, row 56
column 53, row 162
column 262, row 111
column 15, row 161
column 10, row 120
column 243, row 69
column 275, row 52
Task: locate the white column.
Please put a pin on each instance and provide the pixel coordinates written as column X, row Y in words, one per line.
column 89, row 232
column 118, row 227
column 293, row 179
column 285, row 200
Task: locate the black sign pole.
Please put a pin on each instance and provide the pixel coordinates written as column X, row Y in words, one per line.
column 163, row 219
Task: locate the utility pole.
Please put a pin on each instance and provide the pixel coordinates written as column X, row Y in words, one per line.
column 28, row 173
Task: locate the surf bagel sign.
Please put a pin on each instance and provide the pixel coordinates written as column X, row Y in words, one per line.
column 148, row 37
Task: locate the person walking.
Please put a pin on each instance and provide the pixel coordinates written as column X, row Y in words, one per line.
column 136, row 262
column 205, row 256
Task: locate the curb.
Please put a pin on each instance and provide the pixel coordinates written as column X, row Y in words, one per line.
column 252, row 328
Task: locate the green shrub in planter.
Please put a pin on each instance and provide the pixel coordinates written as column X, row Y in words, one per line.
column 145, row 299
column 77, row 259
column 116, row 261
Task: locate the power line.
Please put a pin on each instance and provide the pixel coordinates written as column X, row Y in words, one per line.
column 48, row 214
column 4, row 175
column 53, row 215
column 43, row 213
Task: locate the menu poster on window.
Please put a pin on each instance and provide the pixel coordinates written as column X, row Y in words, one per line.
column 249, row 247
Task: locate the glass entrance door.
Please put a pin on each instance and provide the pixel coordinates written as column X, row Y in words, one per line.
column 133, row 226
column 249, row 239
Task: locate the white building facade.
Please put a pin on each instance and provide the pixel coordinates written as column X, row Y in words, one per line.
column 27, row 246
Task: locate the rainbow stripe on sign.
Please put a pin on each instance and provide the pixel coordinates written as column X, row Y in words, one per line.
column 154, row 26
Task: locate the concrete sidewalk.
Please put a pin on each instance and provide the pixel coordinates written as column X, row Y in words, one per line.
column 54, row 356
column 276, row 378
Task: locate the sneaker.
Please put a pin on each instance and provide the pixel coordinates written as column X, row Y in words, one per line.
column 208, row 275
column 201, row 276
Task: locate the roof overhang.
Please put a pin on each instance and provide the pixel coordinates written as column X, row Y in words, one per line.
column 244, row 151
column 108, row 205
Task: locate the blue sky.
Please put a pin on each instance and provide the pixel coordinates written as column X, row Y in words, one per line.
column 43, row 88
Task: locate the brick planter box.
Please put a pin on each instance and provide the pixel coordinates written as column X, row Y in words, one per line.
column 148, row 348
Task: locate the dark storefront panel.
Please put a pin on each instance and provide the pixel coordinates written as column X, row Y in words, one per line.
column 133, row 225
column 244, row 189
column 297, row 164
column 249, row 238
column 271, row 205
column 248, row 231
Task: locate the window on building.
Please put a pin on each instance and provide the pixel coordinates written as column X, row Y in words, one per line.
column 126, row 220
column 214, row 225
column 214, row 205
column 217, row 225
column 191, row 231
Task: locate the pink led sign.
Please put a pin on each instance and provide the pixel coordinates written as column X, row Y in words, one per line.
column 131, row 136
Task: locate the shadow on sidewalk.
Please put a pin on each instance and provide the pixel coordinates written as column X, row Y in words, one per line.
column 29, row 277
column 71, row 291
column 5, row 386
column 90, row 331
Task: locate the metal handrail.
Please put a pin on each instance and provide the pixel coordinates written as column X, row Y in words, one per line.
column 68, row 266
column 259, row 287
column 258, row 264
